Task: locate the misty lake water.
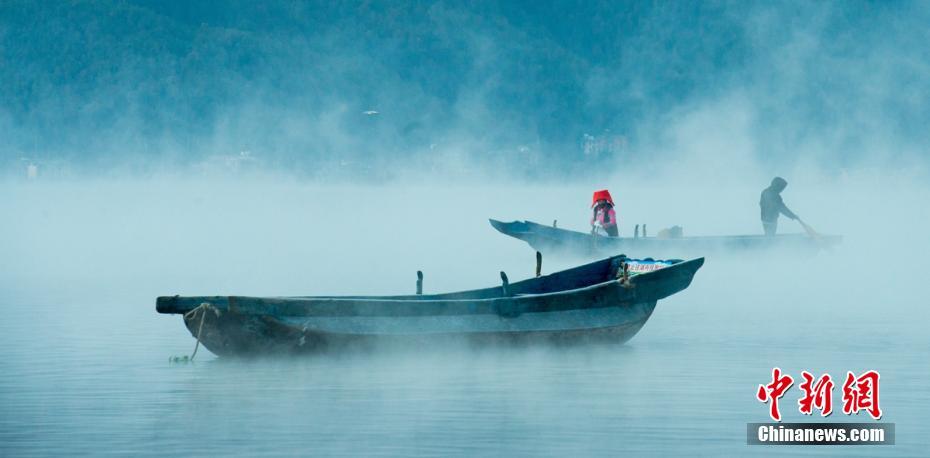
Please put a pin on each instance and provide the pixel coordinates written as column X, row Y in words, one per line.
column 85, row 365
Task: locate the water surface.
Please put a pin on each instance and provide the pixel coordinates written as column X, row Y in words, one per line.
column 85, row 368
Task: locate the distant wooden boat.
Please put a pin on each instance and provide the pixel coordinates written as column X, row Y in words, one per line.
column 611, row 298
column 553, row 240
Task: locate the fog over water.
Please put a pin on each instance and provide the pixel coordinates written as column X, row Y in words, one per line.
column 86, row 364
column 147, row 193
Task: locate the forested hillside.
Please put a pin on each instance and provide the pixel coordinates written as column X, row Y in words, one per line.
column 542, row 84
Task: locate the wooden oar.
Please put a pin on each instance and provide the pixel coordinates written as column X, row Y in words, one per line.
column 810, row 231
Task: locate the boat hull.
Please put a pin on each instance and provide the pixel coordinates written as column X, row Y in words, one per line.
column 562, row 242
column 245, row 335
column 590, row 302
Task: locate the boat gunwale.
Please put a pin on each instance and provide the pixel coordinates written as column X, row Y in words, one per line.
column 504, row 228
column 435, row 304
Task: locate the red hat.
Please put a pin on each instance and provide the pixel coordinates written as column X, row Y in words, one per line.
column 603, row 194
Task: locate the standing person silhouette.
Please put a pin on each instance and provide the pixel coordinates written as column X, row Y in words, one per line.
column 772, row 205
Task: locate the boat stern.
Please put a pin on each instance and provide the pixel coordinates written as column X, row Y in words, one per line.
column 179, row 305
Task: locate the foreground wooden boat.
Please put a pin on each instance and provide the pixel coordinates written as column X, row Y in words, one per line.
column 611, row 299
column 553, row 240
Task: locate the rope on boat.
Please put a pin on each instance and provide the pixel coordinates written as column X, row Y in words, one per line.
column 203, row 308
column 623, row 275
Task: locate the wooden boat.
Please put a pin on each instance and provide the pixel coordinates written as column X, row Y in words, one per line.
column 553, row 240
column 611, row 299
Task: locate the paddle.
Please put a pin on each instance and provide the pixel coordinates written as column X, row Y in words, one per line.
column 810, row 231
